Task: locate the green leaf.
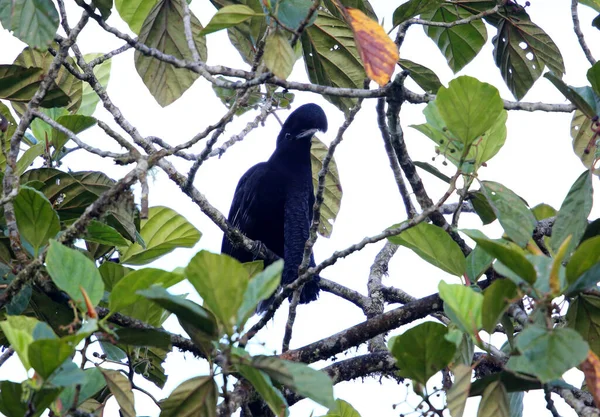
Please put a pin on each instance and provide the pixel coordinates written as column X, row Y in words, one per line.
column 521, row 49
column 332, row 193
column 12, row 395
column 76, row 124
column 185, row 310
column 19, row 302
column 469, row 107
column 496, row 300
column 194, row 397
column 34, row 22
column 36, row 219
column 163, row 29
column 331, row 57
column 584, row 316
column 515, row 217
column 586, row 280
column 104, row 234
column 112, row 273
column 426, row 166
column 423, row 76
column 279, row 56
column 29, row 156
column 46, row 355
column 494, row 401
column 593, row 76
column 19, row 83
column 124, row 293
column 72, row 271
column 422, row 351
column 66, row 375
column 459, row 44
column 478, row 261
column 228, row 16
column 163, row 231
column 104, row 7
column 543, row 211
column 482, row 207
column 221, row 281
column 465, row 304
column 89, row 98
column 510, row 257
column 342, row 409
column 134, row 12
column 293, row 12
column 144, row 338
column 434, row 245
column 547, row 354
column 457, row 395
column 362, row 5
column 260, row 287
column 572, row 94
column 594, row 4
column 586, row 256
column 413, row 8
column 299, row 377
column 571, row 219
column 92, row 383
column 263, row 385
column 19, row 332
column 583, row 137
column 120, row 387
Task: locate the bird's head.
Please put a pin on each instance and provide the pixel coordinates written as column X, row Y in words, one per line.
column 303, row 123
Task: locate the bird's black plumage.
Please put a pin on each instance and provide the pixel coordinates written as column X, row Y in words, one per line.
column 273, row 200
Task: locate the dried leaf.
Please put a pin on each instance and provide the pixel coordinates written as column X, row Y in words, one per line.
column 591, row 369
column 378, row 52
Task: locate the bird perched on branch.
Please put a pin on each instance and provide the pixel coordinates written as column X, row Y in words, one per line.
column 273, row 200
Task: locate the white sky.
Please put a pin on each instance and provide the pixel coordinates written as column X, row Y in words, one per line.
column 537, row 162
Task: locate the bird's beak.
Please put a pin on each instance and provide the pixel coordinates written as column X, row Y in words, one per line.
column 307, row 133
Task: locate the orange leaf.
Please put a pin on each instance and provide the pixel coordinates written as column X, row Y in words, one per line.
column 378, row 52
column 591, row 369
column 88, row 303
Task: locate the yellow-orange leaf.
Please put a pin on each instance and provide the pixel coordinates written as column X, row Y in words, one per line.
column 591, row 369
column 378, row 52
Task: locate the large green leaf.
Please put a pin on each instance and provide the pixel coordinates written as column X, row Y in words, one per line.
column 293, row 12
column 134, row 12
column 260, row 287
column 496, row 299
column 422, row 351
column 412, row 8
column 574, row 211
column 548, row 354
column 459, row 44
column 515, row 217
column 89, row 98
column 163, row 231
column 331, row 57
column 124, row 292
column 36, row 219
column 521, row 49
column 72, row 271
column 464, row 304
column 76, row 124
column 120, row 387
column 584, row 316
column 104, row 234
column 70, row 85
column 195, row 397
column 433, row 244
column 19, row 333
column 112, row 273
column 494, row 401
column 583, row 98
column 469, row 107
column 263, row 385
column 163, row 29
column 586, row 256
column 332, row 193
column 32, row 21
column 478, row 261
column 93, row 381
column 19, row 83
column 47, row 355
column 279, row 57
column 228, row 16
column 221, row 281
column 14, row 399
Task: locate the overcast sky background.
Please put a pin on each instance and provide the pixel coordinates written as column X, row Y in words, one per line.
column 537, row 162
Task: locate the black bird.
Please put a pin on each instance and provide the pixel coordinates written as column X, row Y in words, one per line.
column 273, row 200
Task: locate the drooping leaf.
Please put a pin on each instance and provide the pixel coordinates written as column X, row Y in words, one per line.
column 591, row 370
column 494, row 401
column 19, row 83
column 571, row 219
column 120, row 387
column 584, row 316
column 163, row 231
column 515, row 217
column 221, row 281
column 64, row 264
column 331, row 57
column 434, row 245
column 36, row 219
column 194, row 397
column 32, row 21
column 548, row 354
column 459, row 44
column 584, row 143
column 163, row 29
column 464, row 306
column 332, row 193
column 279, row 56
column 422, row 351
column 457, row 395
column 423, row 76
column 378, row 52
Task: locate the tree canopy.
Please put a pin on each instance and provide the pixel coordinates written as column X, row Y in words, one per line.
column 84, row 304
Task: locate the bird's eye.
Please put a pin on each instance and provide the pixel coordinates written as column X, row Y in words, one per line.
column 287, row 135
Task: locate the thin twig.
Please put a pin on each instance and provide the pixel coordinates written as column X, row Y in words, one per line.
column 579, row 33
